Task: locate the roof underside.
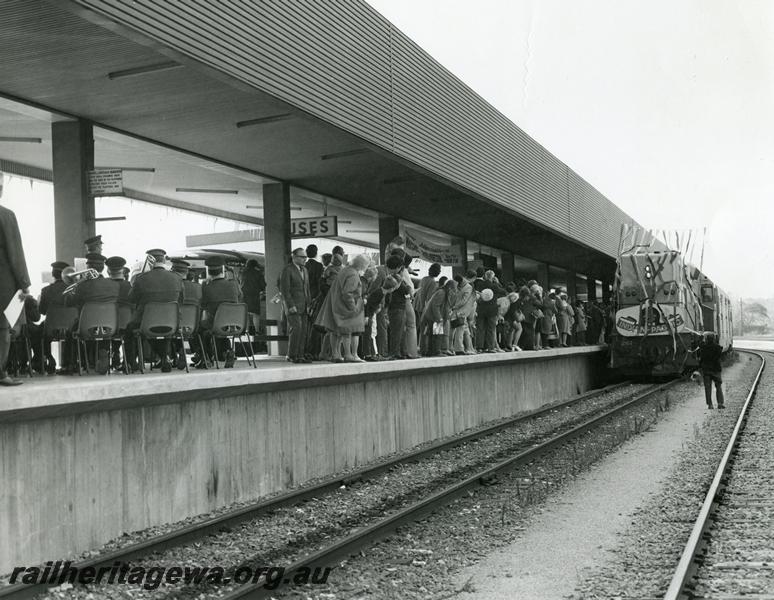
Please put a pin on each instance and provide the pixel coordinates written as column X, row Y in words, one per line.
column 347, row 105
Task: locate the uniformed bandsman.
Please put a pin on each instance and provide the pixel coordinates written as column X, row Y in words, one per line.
column 51, row 297
column 99, row 289
column 218, row 290
column 156, row 285
column 192, row 291
column 93, row 245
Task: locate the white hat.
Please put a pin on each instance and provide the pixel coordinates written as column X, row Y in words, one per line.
column 487, row 294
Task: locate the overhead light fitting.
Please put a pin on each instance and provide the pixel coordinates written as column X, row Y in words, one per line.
column 344, row 154
column 205, row 191
column 98, row 219
column 362, row 230
column 261, row 207
column 25, row 140
column 264, row 120
column 143, row 70
column 137, row 169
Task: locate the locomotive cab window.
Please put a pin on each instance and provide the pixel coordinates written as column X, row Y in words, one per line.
column 707, row 294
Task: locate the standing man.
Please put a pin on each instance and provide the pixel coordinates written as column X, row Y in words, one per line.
column 13, row 277
column 709, row 363
column 315, row 271
column 294, row 286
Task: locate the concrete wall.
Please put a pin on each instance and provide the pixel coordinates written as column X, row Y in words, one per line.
column 78, row 474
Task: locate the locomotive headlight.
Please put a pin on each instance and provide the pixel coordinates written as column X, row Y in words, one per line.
column 648, row 272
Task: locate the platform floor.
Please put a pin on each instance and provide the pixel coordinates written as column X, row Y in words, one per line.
column 56, row 392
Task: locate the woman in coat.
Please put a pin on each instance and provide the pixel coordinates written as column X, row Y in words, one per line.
column 580, row 323
column 463, row 310
column 562, row 318
column 436, row 317
column 342, row 313
column 548, row 323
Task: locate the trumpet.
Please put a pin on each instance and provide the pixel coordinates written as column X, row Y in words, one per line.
column 72, row 277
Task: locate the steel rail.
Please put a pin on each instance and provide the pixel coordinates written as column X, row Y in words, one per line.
column 228, row 519
column 371, row 533
column 686, row 567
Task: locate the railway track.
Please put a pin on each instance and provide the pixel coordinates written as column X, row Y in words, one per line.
column 227, row 520
column 730, row 552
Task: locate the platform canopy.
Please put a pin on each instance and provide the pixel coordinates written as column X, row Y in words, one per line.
column 329, row 97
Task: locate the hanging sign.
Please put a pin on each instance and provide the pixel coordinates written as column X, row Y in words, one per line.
column 106, row 182
column 444, row 254
column 315, row 227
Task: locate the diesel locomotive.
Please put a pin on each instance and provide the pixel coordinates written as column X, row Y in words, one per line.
column 663, row 307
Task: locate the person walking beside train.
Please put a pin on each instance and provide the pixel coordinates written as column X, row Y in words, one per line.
column 709, row 353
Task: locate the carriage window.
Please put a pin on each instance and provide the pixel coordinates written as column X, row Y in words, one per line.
column 707, row 293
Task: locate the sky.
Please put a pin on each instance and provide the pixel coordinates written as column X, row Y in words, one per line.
column 666, row 107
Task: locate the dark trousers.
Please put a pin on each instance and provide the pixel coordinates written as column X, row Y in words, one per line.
column 297, row 335
column 480, row 334
column 397, row 330
column 488, row 333
column 709, row 377
column 382, row 333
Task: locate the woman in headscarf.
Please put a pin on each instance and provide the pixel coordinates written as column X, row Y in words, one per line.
column 342, row 313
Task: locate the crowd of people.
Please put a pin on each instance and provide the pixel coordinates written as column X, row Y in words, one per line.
column 354, row 310
column 339, row 309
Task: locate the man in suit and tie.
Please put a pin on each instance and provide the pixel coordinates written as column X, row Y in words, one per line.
column 294, row 286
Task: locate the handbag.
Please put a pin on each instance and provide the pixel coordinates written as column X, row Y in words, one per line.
column 438, row 328
column 537, row 313
column 457, row 322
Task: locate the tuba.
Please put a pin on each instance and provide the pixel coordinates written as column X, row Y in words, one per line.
column 72, row 278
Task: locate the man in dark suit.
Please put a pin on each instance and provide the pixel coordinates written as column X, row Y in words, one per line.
column 156, row 285
column 218, row 290
column 294, row 286
column 13, row 277
column 315, row 271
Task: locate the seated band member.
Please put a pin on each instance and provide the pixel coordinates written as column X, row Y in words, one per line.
column 192, row 295
column 115, row 268
column 156, row 285
column 51, row 297
column 217, row 290
column 94, row 290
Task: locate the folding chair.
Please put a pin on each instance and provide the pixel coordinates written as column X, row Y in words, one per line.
column 98, row 323
column 124, row 317
column 58, row 326
column 231, row 322
column 160, row 321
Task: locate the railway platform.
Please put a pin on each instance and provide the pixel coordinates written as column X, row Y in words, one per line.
column 130, row 452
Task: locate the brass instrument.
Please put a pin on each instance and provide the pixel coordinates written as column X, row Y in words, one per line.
column 72, row 278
